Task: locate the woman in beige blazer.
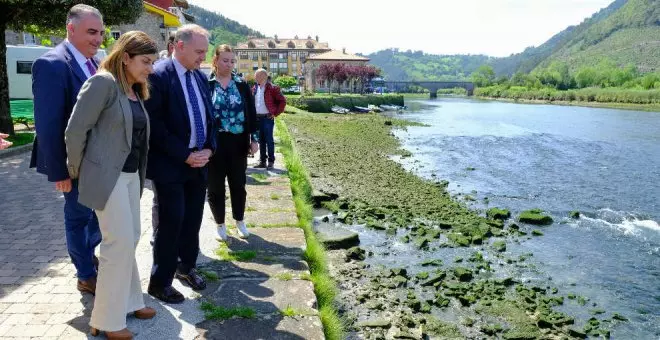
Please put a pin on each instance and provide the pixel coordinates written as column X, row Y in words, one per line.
column 107, row 140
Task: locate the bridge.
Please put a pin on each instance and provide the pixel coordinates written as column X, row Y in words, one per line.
column 432, row 86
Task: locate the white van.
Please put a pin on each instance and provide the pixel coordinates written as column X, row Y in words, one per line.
column 19, row 68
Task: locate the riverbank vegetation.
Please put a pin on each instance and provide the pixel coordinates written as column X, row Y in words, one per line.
column 605, row 83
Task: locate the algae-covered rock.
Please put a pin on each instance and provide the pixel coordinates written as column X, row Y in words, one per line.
column 422, row 243
column 574, row 214
column 463, row 274
column 355, row 253
column 491, row 329
column 422, row 275
column 576, row 333
column 499, row 246
column 537, row 232
column 498, row 214
column 334, row 237
column 459, row 239
column 378, row 323
column 435, row 263
column 535, row 216
column 597, row 311
column 439, row 276
column 617, row 316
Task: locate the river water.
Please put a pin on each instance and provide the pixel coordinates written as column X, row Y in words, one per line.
column 604, row 163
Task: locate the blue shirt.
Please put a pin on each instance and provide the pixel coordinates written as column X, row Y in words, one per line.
column 228, row 108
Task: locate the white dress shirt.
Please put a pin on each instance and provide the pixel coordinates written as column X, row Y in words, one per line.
column 259, row 101
column 80, row 58
column 181, row 72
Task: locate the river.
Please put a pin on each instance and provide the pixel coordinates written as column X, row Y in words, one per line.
column 604, row 163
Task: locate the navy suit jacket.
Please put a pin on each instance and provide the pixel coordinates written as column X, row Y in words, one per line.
column 56, row 81
column 170, row 124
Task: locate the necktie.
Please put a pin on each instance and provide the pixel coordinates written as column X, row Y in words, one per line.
column 200, row 136
column 90, row 67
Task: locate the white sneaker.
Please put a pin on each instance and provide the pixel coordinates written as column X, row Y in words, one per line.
column 222, row 232
column 242, row 229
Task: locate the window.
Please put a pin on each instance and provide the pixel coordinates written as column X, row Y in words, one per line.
column 254, row 56
column 272, row 55
column 255, row 66
column 115, row 34
column 29, row 39
column 242, row 55
column 282, row 55
column 284, row 65
column 24, row 67
column 273, row 65
column 294, row 57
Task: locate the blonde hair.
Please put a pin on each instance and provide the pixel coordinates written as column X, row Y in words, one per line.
column 219, row 49
column 133, row 43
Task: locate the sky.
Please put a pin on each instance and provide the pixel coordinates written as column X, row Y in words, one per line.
column 493, row 27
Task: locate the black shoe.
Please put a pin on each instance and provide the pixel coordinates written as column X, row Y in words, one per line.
column 270, row 165
column 261, row 165
column 193, row 279
column 95, row 261
column 167, row 294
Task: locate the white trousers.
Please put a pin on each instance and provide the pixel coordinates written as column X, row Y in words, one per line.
column 118, row 290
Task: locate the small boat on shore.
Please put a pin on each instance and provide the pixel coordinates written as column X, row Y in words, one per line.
column 387, row 107
column 340, row 110
column 374, row 108
column 361, row 109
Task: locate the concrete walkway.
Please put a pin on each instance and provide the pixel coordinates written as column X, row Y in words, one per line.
column 38, row 298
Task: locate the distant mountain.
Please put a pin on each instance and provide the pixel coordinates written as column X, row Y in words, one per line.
column 223, row 30
column 626, row 32
column 409, row 65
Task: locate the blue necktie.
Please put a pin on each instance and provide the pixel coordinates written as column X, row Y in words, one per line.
column 197, row 116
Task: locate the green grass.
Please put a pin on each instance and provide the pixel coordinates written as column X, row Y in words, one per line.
column 238, row 255
column 249, row 209
column 274, row 197
column 21, row 138
column 259, row 176
column 284, row 276
column 289, row 311
column 324, row 286
column 306, row 277
column 213, row 312
column 277, row 210
column 209, row 275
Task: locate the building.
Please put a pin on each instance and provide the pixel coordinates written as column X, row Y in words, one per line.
column 313, row 62
column 160, row 17
column 278, row 56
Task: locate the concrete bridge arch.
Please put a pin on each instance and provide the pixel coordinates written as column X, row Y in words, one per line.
column 432, row 86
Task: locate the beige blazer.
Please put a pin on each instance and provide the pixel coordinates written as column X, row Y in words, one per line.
column 98, row 139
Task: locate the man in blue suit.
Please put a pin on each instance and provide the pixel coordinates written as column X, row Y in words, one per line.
column 180, row 146
column 56, row 79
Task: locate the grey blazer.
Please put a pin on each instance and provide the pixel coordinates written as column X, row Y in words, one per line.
column 98, row 139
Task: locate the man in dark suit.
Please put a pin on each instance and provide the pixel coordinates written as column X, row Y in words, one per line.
column 56, row 79
column 181, row 144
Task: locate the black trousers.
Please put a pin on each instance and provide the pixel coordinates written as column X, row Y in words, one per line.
column 180, row 208
column 230, row 162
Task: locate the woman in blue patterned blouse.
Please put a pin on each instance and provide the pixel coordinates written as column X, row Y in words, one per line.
column 235, row 119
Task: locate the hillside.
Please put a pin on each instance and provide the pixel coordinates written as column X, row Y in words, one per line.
column 223, row 30
column 626, row 32
column 397, row 65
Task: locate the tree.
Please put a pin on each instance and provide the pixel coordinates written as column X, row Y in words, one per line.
column 49, row 16
column 325, row 72
column 483, row 76
column 285, row 82
column 341, row 75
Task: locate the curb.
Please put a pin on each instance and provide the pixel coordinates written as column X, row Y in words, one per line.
column 15, row 150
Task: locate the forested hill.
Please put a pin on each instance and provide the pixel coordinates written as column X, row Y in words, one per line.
column 626, row 32
column 409, row 65
column 223, row 30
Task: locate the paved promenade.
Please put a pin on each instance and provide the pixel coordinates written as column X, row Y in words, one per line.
column 38, row 296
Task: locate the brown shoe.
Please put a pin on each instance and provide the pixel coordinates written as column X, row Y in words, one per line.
column 87, row 286
column 145, row 313
column 123, row 334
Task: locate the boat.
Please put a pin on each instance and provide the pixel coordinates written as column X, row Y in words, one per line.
column 340, row 110
column 361, row 109
column 387, row 107
column 374, row 108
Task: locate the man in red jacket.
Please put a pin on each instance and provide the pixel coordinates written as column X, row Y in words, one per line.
column 269, row 103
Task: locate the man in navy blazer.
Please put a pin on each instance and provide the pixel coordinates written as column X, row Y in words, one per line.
column 56, row 79
column 180, row 146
